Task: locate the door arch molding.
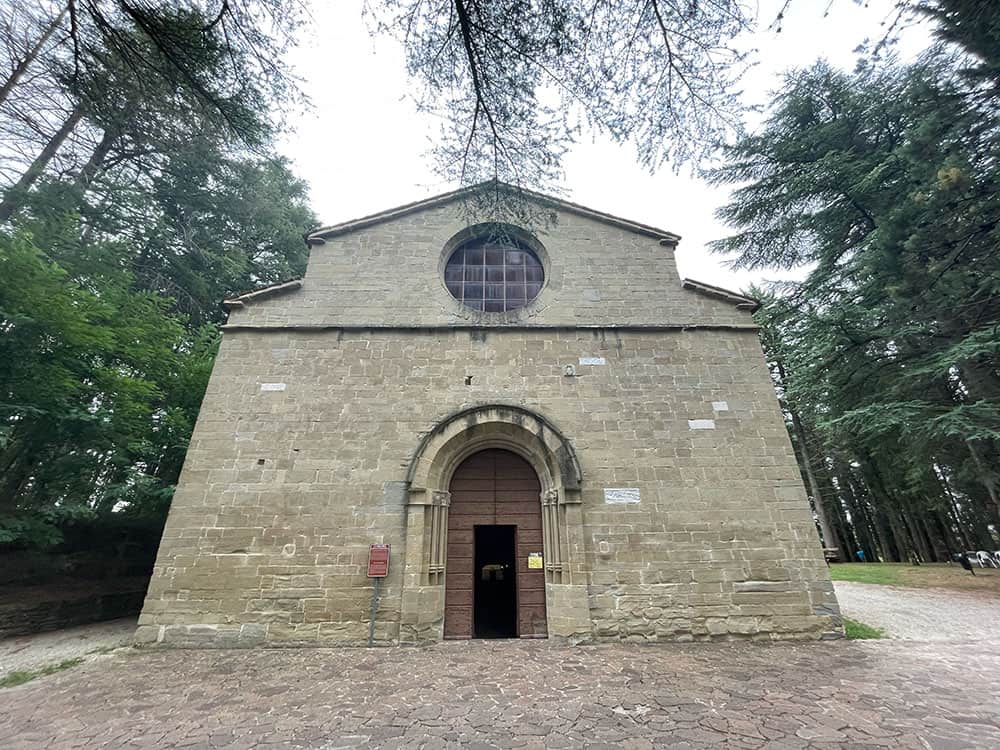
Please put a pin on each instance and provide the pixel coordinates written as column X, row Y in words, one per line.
column 452, row 440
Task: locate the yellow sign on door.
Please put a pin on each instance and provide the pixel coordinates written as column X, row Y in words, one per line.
column 535, row 561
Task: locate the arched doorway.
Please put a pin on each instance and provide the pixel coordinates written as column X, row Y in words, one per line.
column 494, row 529
column 441, row 451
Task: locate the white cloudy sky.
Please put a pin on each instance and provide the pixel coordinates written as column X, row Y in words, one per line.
column 362, row 146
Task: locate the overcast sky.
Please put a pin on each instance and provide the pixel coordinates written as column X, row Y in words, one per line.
column 363, row 147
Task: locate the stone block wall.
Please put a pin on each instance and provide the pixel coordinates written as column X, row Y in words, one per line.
column 391, row 274
column 298, row 460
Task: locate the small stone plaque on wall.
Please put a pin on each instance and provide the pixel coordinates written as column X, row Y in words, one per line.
column 621, row 495
column 592, row 361
column 701, row 424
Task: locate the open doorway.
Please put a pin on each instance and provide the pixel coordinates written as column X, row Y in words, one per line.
column 495, row 605
column 495, row 519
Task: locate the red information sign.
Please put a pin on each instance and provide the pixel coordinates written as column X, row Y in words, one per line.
column 378, row 561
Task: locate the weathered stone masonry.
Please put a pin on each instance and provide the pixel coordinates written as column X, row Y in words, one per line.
column 336, row 412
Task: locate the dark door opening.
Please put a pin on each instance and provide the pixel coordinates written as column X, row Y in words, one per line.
column 494, row 489
column 495, row 605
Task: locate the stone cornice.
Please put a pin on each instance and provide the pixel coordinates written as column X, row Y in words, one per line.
column 274, row 290
column 319, row 327
column 319, row 236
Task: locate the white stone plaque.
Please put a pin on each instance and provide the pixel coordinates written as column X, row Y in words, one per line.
column 272, row 386
column 720, row 405
column 592, row 361
column 701, row 424
column 621, row 495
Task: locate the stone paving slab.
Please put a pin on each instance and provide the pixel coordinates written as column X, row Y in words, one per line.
column 514, row 694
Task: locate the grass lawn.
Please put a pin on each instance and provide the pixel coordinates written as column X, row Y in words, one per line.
column 929, row 575
column 859, row 631
column 12, row 679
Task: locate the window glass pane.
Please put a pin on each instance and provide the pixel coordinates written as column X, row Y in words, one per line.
column 515, row 274
column 494, row 256
column 493, row 277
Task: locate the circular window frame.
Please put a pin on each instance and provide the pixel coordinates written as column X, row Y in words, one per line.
column 484, row 230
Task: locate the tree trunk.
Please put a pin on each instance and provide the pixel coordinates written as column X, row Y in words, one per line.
column 888, row 552
column 29, row 58
column 939, row 543
column 952, row 539
column 14, row 197
column 884, row 508
column 953, row 509
column 916, row 534
column 899, row 539
column 984, row 476
column 837, row 506
column 861, row 520
column 825, row 528
column 92, row 168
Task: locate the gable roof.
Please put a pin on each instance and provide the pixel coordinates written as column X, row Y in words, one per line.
column 318, row 236
column 741, row 301
column 274, row 290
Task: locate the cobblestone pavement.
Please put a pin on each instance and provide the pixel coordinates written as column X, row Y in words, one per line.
column 514, row 694
column 922, row 614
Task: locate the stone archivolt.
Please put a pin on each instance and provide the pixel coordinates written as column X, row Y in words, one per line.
column 441, row 451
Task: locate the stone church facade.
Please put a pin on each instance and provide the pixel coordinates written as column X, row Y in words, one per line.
column 556, row 435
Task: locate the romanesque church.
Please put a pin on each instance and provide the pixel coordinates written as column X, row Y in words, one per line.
column 554, row 434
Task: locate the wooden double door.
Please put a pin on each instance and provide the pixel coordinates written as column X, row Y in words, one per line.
column 494, row 526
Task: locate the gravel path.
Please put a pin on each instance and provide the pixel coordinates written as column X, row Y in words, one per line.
column 29, row 652
column 921, row 614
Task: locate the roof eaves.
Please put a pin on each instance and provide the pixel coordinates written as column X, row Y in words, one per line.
column 741, row 301
column 274, row 290
column 318, row 236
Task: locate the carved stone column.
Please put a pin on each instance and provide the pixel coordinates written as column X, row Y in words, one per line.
column 422, row 609
column 567, row 604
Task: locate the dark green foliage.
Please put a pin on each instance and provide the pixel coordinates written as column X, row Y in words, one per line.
column 161, row 200
column 974, row 26
column 884, row 185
